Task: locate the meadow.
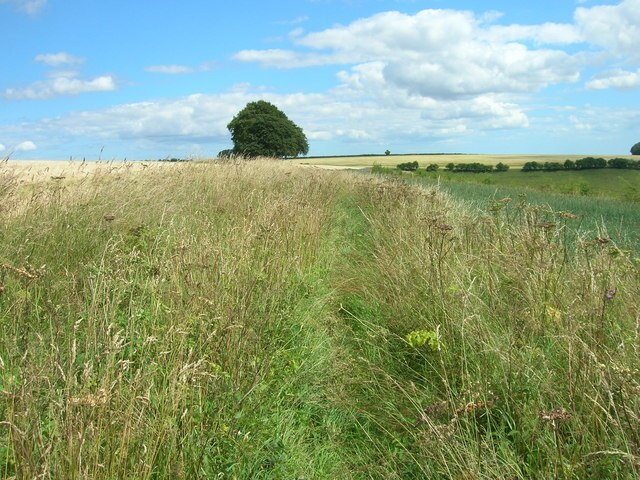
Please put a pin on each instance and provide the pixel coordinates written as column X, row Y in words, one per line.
column 265, row 321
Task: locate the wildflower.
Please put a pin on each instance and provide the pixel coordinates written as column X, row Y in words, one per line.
column 610, row 293
column 554, row 313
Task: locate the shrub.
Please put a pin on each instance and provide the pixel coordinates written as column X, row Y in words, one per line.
column 619, row 163
column 635, row 150
column 569, row 164
column 432, row 168
column 590, row 163
column 501, row 167
column 472, row 167
column 450, row 166
column 408, row 166
column 531, row 167
column 228, row 153
column 377, row 168
column 552, row 166
column 387, row 152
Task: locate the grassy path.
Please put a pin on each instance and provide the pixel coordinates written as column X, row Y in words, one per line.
column 256, row 320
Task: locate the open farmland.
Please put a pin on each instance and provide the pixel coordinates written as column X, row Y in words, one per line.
column 259, row 320
column 439, row 159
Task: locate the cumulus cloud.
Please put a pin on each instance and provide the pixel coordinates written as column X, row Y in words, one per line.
column 59, row 81
column 30, row 7
column 169, row 69
column 547, row 33
column 64, row 84
column 613, row 27
column 619, row 79
column 339, row 115
column 25, row 146
column 58, row 59
column 436, row 53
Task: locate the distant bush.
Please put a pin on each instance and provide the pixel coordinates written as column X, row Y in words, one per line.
column 623, row 163
column 377, row 168
column 228, row 153
column 552, row 166
column 501, row 167
column 432, row 168
column 590, row 163
column 531, row 167
column 569, row 164
column 408, row 166
column 450, row 166
column 472, row 167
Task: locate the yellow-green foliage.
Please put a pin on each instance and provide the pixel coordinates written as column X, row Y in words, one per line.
column 256, row 320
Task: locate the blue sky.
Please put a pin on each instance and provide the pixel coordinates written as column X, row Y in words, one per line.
column 153, row 79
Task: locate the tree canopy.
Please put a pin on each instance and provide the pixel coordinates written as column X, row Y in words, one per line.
column 261, row 129
column 635, row 150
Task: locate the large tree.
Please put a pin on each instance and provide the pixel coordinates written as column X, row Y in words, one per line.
column 635, row 150
column 261, row 129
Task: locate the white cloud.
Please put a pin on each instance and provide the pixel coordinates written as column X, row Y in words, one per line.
column 341, row 115
column 30, row 7
column 61, row 84
column 169, row 69
column 443, row 54
column 181, row 69
column 57, row 59
column 547, row 33
column 614, row 27
column 619, row 79
column 2, row 148
column 26, row 146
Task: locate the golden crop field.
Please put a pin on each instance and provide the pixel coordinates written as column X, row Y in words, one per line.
column 516, row 160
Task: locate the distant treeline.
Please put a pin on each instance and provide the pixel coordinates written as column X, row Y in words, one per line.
column 455, row 167
column 383, row 155
column 173, row 160
column 586, row 163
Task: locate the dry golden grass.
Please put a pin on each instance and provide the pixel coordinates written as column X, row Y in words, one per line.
column 516, row 160
column 34, row 171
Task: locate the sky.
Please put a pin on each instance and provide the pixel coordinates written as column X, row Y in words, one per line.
column 155, row 79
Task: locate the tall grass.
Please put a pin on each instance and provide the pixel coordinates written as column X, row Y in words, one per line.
column 253, row 320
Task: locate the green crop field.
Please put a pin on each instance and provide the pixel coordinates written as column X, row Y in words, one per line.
column 258, row 320
column 607, row 183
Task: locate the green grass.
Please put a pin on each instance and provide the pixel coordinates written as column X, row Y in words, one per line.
column 607, row 183
column 606, row 204
column 253, row 320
